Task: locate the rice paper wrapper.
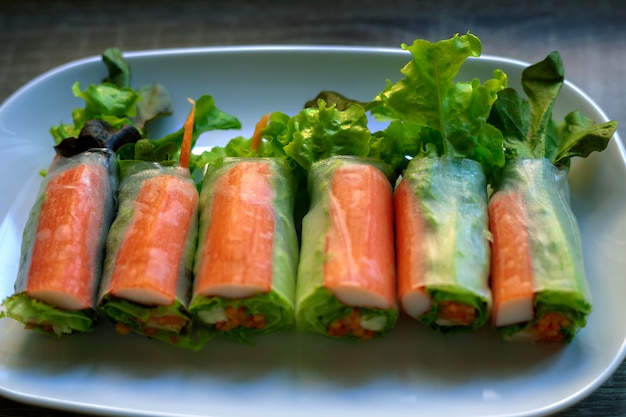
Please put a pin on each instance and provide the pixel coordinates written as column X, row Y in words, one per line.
column 560, row 283
column 451, row 196
column 97, row 191
column 170, row 322
column 265, row 311
column 319, row 309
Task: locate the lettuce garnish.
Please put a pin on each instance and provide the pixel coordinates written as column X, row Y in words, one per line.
column 527, row 125
column 115, row 101
column 431, row 114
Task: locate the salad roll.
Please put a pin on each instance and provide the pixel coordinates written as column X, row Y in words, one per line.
column 538, row 277
column 440, row 201
column 148, row 268
column 247, row 255
column 442, row 243
column 63, row 245
column 346, row 275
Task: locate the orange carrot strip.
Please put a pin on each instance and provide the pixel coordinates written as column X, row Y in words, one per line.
column 147, row 266
column 512, row 280
column 255, row 143
column 236, row 258
column 185, row 149
column 410, row 232
column 63, row 266
column 359, row 249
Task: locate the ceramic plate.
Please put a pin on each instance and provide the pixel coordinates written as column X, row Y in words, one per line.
column 412, row 372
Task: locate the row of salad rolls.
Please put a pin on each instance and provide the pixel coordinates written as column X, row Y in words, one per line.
column 455, row 213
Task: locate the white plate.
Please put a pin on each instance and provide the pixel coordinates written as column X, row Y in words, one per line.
column 412, row 372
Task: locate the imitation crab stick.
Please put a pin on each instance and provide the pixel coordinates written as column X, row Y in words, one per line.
column 440, row 202
column 147, row 274
column 346, row 277
column 540, row 292
column 247, row 254
column 63, row 244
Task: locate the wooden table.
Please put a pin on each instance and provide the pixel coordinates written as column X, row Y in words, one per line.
column 36, row 36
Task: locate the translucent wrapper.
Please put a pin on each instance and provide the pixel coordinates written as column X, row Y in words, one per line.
column 543, row 220
column 147, row 277
column 442, row 240
column 63, row 245
column 346, row 276
column 247, row 255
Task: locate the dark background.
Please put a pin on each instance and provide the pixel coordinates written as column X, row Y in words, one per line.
column 36, row 36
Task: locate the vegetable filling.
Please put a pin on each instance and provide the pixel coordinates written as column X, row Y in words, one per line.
column 452, row 313
column 549, row 328
column 155, row 324
column 357, row 325
column 230, row 318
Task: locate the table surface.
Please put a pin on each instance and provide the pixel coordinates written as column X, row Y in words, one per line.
column 36, row 36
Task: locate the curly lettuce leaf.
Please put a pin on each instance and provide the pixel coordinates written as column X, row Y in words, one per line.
column 444, row 115
column 47, row 319
column 333, row 98
column 396, row 144
column 325, row 131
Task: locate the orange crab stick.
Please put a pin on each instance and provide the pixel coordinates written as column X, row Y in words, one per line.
column 346, row 276
column 410, row 232
column 511, row 266
column 359, row 268
column 147, row 266
column 237, row 265
column 69, row 227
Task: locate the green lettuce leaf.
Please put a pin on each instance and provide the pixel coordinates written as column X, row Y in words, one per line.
column 166, row 150
column 441, row 114
column 325, row 131
column 46, row 319
column 527, row 124
column 278, row 313
column 208, row 117
column 575, row 309
column 134, row 315
column 114, row 101
column 320, row 308
column 155, row 103
column 119, row 70
column 578, row 135
column 460, row 295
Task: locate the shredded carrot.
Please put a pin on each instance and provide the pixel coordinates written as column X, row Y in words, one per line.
column 255, row 144
column 240, row 317
column 350, row 325
column 185, row 149
column 458, row 313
